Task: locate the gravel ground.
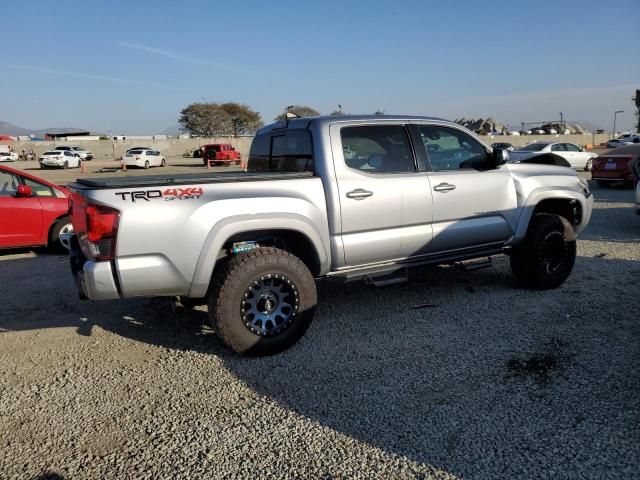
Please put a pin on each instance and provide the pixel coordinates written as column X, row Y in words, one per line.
column 491, row 381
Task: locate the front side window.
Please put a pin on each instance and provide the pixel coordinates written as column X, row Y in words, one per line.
column 377, row 149
column 571, row 147
column 39, row 189
column 8, row 184
column 558, row 147
column 452, row 149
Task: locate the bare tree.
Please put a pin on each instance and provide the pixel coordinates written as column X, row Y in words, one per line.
column 300, row 110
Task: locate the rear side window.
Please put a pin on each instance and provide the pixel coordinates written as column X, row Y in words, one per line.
column 8, row 184
column 282, row 151
column 377, row 149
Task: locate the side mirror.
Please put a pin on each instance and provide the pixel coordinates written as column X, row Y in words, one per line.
column 24, row 191
column 499, row 156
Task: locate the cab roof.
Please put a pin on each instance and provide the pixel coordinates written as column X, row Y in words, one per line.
column 305, row 122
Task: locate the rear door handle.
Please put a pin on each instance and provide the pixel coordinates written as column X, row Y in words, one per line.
column 444, row 187
column 359, row 194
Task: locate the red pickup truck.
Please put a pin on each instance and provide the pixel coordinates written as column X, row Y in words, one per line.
column 219, row 154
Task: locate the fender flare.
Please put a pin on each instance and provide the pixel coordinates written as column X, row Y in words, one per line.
column 532, row 202
column 228, row 227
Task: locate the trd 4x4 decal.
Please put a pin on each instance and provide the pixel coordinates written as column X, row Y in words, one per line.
column 179, row 193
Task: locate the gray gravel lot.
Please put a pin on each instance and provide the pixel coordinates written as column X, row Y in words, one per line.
column 491, row 382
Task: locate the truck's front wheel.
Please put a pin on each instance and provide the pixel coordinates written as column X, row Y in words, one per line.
column 546, row 257
column 262, row 302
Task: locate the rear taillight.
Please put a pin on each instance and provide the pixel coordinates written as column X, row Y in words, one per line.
column 96, row 227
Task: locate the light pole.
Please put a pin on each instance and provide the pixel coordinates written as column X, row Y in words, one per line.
column 615, row 114
column 561, row 123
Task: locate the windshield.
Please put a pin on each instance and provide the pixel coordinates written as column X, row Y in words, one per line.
column 533, row 147
column 79, row 149
column 52, row 153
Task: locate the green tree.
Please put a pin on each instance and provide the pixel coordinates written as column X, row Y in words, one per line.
column 211, row 119
column 300, row 110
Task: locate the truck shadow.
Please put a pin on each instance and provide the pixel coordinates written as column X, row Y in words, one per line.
column 449, row 365
column 456, row 367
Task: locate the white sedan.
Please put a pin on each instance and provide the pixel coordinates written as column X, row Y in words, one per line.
column 143, row 158
column 577, row 157
column 8, row 157
column 59, row 159
column 626, row 139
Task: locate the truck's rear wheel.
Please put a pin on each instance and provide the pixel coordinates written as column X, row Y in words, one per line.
column 262, row 302
column 546, row 257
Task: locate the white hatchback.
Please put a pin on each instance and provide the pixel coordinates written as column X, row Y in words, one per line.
column 8, row 157
column 60, row 159
column 143, row 158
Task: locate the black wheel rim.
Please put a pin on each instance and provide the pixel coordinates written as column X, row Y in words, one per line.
column 553, row 253
column 269, row 304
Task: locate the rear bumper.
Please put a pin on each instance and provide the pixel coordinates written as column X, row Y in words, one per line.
column 94, row 280
column 56, row 164
column 134, row 163
column 626, row 176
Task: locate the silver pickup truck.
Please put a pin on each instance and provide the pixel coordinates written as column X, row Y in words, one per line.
column 362, row 197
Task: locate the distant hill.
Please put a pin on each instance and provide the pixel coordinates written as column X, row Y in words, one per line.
column 172, row 130
column 7, row 128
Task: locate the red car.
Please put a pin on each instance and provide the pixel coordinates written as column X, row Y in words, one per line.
column 615, row 165
column 33, row 211
column 220, row 153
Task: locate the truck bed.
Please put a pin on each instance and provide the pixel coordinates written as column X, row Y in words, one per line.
column 183, row 179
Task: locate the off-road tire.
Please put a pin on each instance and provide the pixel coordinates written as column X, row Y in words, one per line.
column 528, row 262
column 226, row 296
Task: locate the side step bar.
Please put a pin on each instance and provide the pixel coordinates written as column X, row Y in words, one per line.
column 470, row 265
column 385, row 280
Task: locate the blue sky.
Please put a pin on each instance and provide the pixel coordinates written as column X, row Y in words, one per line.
column 132, row 66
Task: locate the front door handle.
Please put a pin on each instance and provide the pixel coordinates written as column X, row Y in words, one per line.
column 444, row 187
column 359, row 194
